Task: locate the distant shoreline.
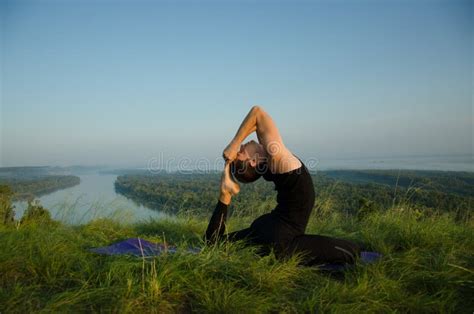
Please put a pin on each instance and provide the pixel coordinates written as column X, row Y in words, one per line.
column 454, row 163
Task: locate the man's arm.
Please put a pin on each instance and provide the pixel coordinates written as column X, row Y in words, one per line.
column 267, row 133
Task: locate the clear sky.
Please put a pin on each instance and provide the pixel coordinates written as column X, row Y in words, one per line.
column 120, row 82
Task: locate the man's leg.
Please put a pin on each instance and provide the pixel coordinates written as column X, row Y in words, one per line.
column 228, row 188
column 318, row 249
column 216, row 227
column 244, row 234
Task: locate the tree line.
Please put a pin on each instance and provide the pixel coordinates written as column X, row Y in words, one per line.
column 28, row 188
column 345, row 192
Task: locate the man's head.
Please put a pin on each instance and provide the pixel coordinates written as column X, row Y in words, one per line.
column 246, row 167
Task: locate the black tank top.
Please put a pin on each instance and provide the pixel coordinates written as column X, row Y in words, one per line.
column 295, row 196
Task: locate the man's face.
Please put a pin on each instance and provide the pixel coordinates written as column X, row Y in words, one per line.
column 248, row 150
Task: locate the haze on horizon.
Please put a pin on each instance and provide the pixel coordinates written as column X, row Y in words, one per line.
column 120, row 83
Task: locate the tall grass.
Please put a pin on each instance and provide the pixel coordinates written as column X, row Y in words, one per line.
column 427, row 267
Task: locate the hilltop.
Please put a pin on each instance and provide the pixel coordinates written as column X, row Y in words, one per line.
column 427, row 267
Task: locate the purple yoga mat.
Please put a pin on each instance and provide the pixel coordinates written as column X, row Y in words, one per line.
column 140, row 247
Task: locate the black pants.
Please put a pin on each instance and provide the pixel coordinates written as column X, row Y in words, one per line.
column 269, row 233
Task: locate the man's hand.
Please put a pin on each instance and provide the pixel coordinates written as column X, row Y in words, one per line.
column 230, row 152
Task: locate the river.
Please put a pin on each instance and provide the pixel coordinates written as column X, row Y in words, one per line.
column 93, row 198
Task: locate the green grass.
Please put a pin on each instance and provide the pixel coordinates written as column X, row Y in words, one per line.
column 427, row 267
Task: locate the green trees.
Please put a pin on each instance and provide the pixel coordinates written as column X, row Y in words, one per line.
column 7, row 213
column 35, row 213
column 354, row 192
column 30, row 187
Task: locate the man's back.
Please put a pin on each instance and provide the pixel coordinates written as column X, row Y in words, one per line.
column 295, row 196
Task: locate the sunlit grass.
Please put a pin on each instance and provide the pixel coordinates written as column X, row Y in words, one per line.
column 427, row 267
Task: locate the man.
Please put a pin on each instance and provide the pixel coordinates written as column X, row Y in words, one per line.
column 283, row 229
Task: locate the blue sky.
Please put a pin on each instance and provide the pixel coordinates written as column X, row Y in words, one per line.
column 121, row 82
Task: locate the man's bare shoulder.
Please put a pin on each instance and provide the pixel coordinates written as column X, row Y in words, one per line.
column 284, row 162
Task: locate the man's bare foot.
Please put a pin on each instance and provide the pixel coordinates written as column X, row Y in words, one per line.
column 228, row 183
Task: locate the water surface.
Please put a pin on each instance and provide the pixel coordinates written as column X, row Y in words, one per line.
column 93, row 198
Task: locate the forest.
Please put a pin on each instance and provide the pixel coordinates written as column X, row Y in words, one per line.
column 350, row 191
column 27, row 183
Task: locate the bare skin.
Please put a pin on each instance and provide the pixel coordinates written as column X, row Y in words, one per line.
column 270, row 149
column 228, row 187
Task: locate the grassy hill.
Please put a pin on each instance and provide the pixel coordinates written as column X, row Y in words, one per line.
column 427, row 267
